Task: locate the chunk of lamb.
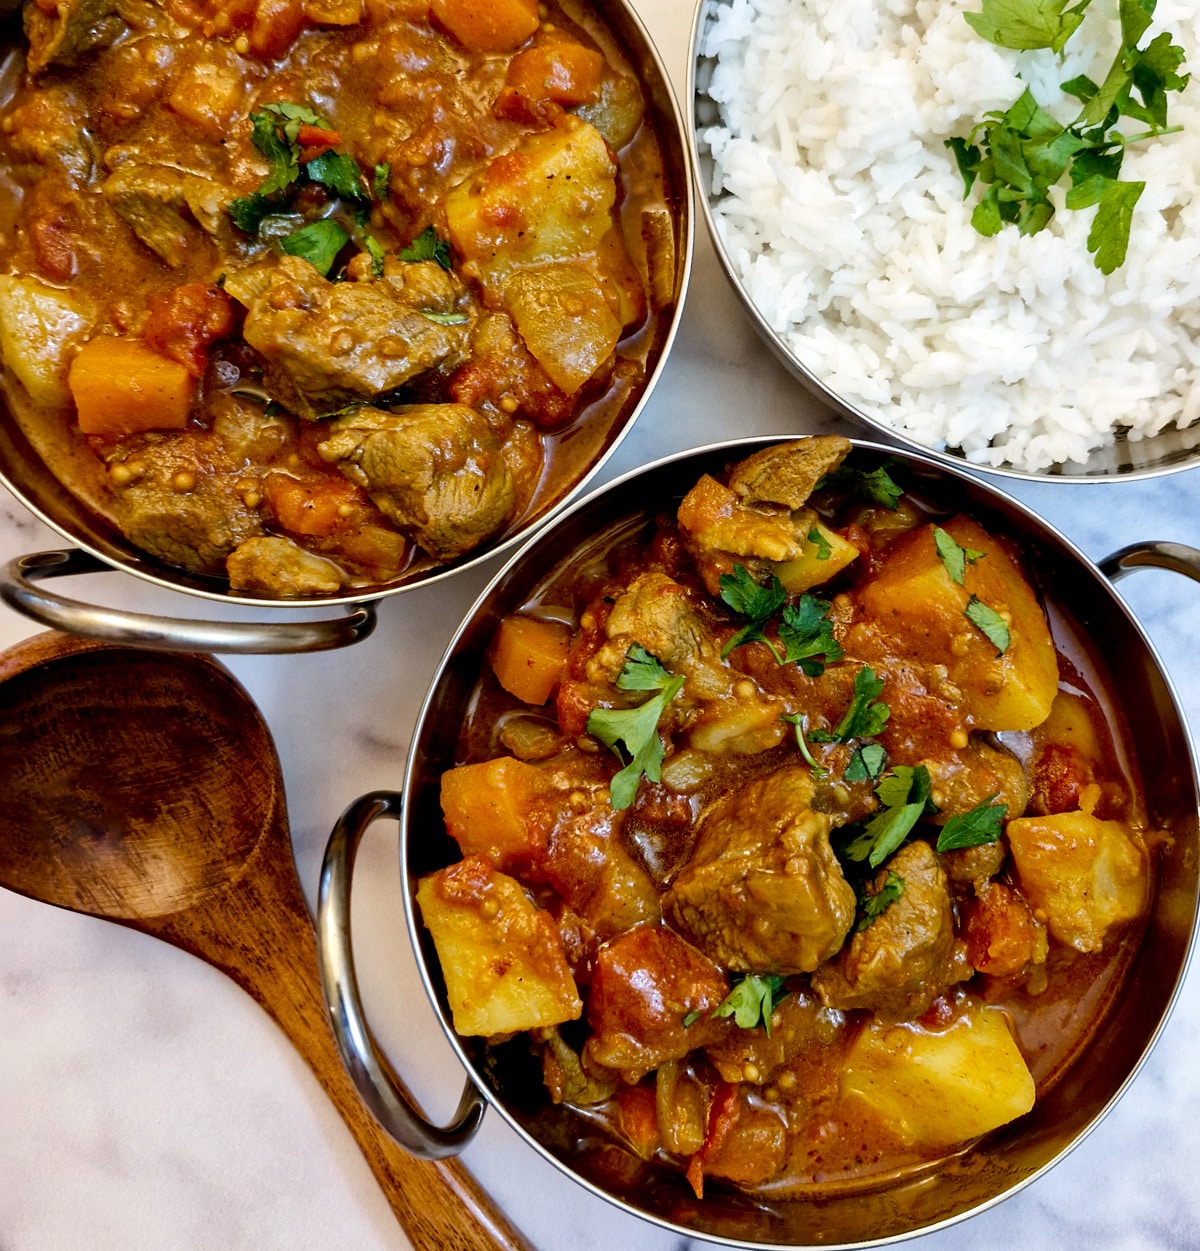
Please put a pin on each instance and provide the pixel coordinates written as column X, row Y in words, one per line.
column 163, row 207
column 48, row 129
column 438, row 471
column 328, row 344
column 194, row 526
column 759, row 520
column 763, row 891
column 908, row 955
column 273, row 565
column 69, row 30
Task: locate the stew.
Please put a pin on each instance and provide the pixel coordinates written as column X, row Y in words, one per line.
column 802, row 840
column 312, row 295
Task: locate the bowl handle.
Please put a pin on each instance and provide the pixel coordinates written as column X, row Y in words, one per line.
column 1177, row 557
column 19, row 591
column 382, row 1091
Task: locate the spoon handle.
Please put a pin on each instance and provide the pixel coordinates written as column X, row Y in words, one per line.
column 262, row 936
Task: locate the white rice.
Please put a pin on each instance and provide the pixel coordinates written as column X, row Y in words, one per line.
column 843, row 213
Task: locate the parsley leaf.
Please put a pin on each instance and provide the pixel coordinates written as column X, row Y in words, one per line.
column 982, row 824
column 636, row 728
column 989, row 621
column 1024, row 24
column 865, row 717
column 799, row 723
column 752, row 1001
column 381, row 180
column 248, row 211
column 904, row 794
column 318, row 243
column 954, row 558
column 806, row 632
column 867, row 763
column 875, row 485
column 874, row 906
column 282, row 153
column 376, row 253
column 428, row 247
column 748, row 599
column 822, row 544
column 342, row 175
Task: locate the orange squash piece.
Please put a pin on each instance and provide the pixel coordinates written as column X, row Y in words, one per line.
column 488, row 25
column 529, row 657
column 123, row 385
column 487, row 808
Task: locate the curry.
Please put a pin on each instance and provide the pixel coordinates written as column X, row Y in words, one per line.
column 802, row 843
column 312, row 295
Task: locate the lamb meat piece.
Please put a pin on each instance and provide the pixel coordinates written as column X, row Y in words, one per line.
column 163, row 206
column 787, row 473
column 329, row 344
column 900, row 962
column 275, row 566
column 438, row 471
column 763, row 891
column 166, row 507
column 73, row 29
column 48, row 129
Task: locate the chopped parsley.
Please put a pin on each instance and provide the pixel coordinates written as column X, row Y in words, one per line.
column 875, row 485
column 428, row 247
column 636, row 728
column 867, row 763
column 804, row 629
column 904, row 797
column 874, row 906
column 795, row 720
column 866, row 715
column 748, row 598
column 954, row 557
column 381, row 180
column 1023, row 152
column 752, row 1001
column 822, row 544
column 318, row 243
column 983, row 824
column 990, row 622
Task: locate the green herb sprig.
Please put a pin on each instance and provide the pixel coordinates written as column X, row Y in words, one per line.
column 872, row 907
column 865, row 717
column 983, row 824
column 750, row 1002
column 636, row 728
column 1023, row 152
column 904, row 797
column 805, row 629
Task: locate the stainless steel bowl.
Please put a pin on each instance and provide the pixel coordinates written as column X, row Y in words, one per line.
column 1003, row 1162
column 99, row 546
column 1166, row 452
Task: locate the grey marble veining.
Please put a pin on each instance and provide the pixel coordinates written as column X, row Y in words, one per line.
column 148, row 1105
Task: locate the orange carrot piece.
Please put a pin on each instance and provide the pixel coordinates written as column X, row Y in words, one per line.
column 276, row 25
column 123, row 385
column 312, row 508
column 529, row 656
column 488, row 25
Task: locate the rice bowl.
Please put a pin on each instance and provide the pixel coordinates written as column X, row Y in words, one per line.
column 841, row 216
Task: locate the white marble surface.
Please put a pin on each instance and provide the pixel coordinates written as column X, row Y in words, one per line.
column 146, row 1104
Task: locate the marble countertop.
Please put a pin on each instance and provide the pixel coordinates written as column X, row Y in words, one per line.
column 149, row 1105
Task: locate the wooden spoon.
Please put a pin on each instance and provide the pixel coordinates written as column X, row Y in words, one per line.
column 143, row 787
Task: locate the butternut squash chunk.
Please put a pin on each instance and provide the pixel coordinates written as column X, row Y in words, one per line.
column 529, row 656
column 123, row 385
column 487, row 807
column 488, row 25
column 501, row 955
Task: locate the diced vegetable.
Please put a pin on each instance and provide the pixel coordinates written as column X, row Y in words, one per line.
column 920, row 610
column 501, row 955
column 637, row 1116
column 276, row 25
column 825, row 553
column 38, row 326
column 487, row 808
column 488, row 25
column 529, row 656
column 1086, row 875
column 209, row 96
column 314, row 508
column 566, row 318
column 940, row 1087
column 122, row 385
column 560, row 71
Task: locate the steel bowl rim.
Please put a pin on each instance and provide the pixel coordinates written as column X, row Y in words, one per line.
column 528, row 553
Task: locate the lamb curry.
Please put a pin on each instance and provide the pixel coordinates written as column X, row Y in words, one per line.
column 801, row 843
column 311, row 295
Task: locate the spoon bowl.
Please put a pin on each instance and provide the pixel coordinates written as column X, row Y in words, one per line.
column 143, row 788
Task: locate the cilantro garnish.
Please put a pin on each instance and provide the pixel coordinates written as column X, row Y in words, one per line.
column 804, row 630
column 989, row 621
column 983, row 824
column 954, row 557
column 318, row 243
column 875, row 485
column 904, row 796
column 867, row 763
column 798, row 723
column 376, row 253
column 428, row 247
column 822, row 544
column 1020, row 154
column 340, row 173
column 866, row 715
column 636, row 728
column 381, row 180
column 445, row 319
column 752, row 1001
column 874, row 906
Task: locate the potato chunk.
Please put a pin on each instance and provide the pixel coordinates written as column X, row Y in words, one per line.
column 501, row 955
column 918, row 612
column 38, row 326
column 1084, row 874
column 937, row 1088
